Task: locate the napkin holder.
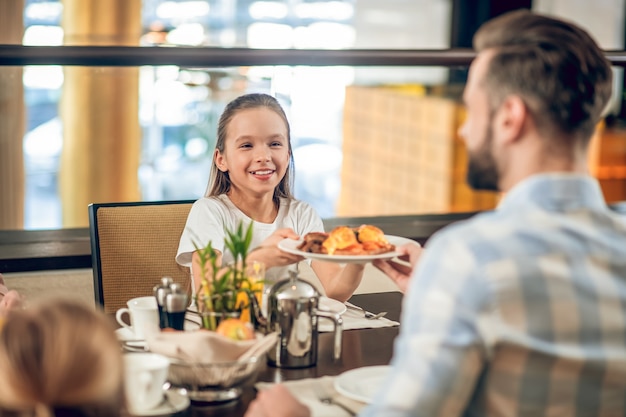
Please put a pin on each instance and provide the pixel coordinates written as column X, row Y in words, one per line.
column 209, row 366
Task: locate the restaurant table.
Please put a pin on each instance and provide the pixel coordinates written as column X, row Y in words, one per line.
column 362, row 347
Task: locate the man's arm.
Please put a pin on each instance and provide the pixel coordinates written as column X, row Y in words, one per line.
column 440, row 353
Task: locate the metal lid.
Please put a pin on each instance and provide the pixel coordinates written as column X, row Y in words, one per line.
column 176, row 300
column 293, row 288
column 162, row 289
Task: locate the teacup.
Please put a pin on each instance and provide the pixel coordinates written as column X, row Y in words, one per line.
column 144, row 377
column 144, row 316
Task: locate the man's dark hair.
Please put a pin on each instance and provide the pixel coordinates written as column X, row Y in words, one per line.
column 554, row 66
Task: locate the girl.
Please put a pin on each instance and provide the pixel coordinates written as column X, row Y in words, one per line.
column 251, row 180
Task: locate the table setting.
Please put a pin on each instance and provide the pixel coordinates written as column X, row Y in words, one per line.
column 194, row 363
column 362, row 348
column 143, row 321
column 146, row 388
column 237, row 335
column 354, row 317
column 336, row 396
column 209, row 367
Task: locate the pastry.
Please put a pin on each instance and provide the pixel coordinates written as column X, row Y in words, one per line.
column 344, row 240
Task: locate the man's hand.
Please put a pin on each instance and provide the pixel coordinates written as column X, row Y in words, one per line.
column 401, row 273
column 276, row 401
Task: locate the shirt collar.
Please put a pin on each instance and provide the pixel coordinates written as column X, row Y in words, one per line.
column 555, row 192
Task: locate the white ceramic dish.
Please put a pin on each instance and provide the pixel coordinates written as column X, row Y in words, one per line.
column 291, row 246
column 125, row 335
column 361, row 384
column 328, row 304
column 128, row 337
column 173, row 402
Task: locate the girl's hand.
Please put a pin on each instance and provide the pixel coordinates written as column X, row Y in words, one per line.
column 268, row 251
column 401, row 273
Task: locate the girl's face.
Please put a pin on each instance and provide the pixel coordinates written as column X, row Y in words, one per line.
column 256, row 152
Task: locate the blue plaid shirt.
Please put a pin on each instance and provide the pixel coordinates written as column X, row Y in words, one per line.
column 517, row 312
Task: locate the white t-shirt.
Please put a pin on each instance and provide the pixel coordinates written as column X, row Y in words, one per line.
column 210, row 217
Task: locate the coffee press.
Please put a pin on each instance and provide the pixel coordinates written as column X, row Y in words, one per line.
column 293, row 313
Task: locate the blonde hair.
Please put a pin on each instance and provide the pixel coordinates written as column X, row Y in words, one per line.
column 60, row 357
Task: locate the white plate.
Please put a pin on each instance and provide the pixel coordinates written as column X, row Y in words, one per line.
column 175, row 402
column 291, row 246
column 328, row 304
column 128, row 337
column 361, row 384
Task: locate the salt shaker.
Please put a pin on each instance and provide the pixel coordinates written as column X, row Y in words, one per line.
column 160, row 291
column 176, row 307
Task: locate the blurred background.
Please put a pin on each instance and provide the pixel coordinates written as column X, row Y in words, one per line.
column 367, row 140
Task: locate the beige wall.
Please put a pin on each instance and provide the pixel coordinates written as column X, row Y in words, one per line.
column 74, row 283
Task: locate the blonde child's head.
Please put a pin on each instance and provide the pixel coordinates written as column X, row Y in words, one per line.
column 60, row 357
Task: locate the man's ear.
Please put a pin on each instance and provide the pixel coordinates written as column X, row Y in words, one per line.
column 511, row 118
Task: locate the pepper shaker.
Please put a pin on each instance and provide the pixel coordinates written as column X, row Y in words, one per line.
column 160, row 291
column 176, row 306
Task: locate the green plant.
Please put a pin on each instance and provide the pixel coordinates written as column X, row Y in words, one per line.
column 227, row 289
column 238, row 243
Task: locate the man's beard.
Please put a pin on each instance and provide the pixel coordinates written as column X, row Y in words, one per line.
column 482, row 169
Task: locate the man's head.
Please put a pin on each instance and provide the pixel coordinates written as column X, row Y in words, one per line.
column 531, row 72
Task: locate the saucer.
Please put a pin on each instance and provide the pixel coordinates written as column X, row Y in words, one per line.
column 129, row 341
column 127, row 337
column 173, row 402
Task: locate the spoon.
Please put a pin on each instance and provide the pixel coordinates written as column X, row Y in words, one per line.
column 372, row 316
column 367, row 314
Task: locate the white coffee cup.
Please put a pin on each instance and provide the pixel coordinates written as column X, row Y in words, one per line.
column 144, row 316
column 144, row 377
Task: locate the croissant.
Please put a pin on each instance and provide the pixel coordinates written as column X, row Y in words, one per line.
column 344, row 240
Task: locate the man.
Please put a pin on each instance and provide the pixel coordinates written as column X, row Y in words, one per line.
column 521, row 311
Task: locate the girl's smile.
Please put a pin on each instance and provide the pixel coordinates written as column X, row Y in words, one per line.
column 263, row 175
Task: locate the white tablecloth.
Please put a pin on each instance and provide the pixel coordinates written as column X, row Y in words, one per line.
column 353, row 319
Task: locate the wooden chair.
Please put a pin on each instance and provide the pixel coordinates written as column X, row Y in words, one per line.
column 133, row 245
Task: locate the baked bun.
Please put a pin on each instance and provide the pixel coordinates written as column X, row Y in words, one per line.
column 340, row 238
column 344, row 240
column 372, row 234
